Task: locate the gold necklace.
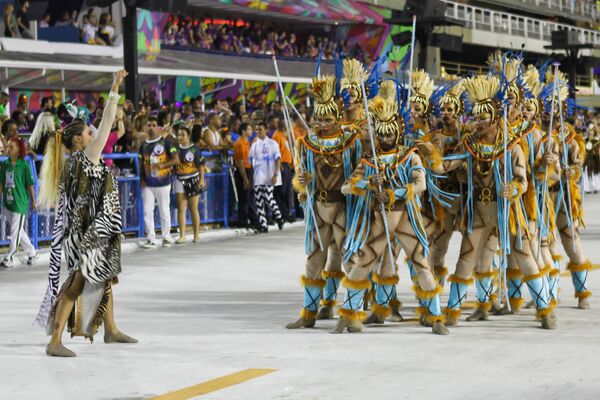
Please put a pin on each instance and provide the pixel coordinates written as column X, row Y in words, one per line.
column 332, row 164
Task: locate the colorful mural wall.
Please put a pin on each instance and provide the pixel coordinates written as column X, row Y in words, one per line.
column 254, row 92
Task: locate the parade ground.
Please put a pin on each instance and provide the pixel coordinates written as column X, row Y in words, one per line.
column 210, row 319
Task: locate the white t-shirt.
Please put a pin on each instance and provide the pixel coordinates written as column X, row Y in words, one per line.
column 89, row 32
column 263, row 157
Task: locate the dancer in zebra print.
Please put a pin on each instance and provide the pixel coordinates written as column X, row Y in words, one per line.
column 88, row 228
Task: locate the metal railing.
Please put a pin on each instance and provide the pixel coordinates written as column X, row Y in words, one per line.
column 461, row 69
column 580, row 9
column 512, row 24
column 213, row 207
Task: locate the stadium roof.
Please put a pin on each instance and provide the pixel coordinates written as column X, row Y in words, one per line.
column 91, row 72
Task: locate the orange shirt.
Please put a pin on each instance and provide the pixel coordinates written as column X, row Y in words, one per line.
column 299, row 132
column 241, row 149
column 284, row 148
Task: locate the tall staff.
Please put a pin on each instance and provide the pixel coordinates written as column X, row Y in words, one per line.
column 300, row 159
column 505, row 215
column 372, row 139
column 412, row 54
column 565, row 156
column 546, row 147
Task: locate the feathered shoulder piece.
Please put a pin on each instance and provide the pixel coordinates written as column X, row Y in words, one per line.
column 322, row 89
column 483, row 90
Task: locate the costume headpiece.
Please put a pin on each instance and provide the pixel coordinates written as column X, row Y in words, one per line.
column 559, row 90
column 387, row 89
column 483, row 90
column 454, row 93
column 509, row 68
column 354, row 73
column 533, row 88
column 422, row 89
column 387, row 121
column 322, row 89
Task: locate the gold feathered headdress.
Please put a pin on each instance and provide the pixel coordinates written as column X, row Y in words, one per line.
column 563, row 83
column 387, row 89
column 510, row 68
column 387, row 121
column 531, row 79
column 354, row 74
column 482, row 90
column 422, row 89
column 322, row 89
column 453, row 95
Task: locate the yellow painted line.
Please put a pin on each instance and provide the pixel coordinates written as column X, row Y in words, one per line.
column 214, row 385
column 594, row 267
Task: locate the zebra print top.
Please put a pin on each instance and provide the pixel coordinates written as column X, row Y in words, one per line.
column 87, row 227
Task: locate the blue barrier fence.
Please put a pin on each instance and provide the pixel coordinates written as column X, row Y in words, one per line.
column 213, row 207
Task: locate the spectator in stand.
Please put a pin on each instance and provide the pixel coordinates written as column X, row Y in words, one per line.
column 9, row 131
column 65, row 20
column 4, row 100
column 234, row 129
column 245, row 118
column 45, row 124
column 90, row 29
column 16, row 185
column 73, row 19
column 187, row 112
column 266, row 165
column 106, row 29
column 21, row 120
column 158, row 158
column 211, row 135
column 243, row 178
column 298, row 126
column 45, row 21
column 23, row 106
column 311, row 49
column 117, row 131
column 10, row 21
column 284, row 193
column 181, row 37
column 23, row 20
column 169, row 34
column 189, row 183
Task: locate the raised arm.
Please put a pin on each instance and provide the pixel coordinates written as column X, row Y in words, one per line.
column 94, row 149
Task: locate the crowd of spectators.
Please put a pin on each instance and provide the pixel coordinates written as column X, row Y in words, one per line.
column 92, row 29
column 252, row 38
column 224, row 128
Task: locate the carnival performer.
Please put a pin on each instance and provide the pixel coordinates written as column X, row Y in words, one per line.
column 421, row 106
column 448, row 217
column 353, row 118
column 591, row 133
column 542, row 166
column 493, row 202
column 88, row 227
column 392, row 179
column 326, row 157
column 507, row 68
column 566, row 194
